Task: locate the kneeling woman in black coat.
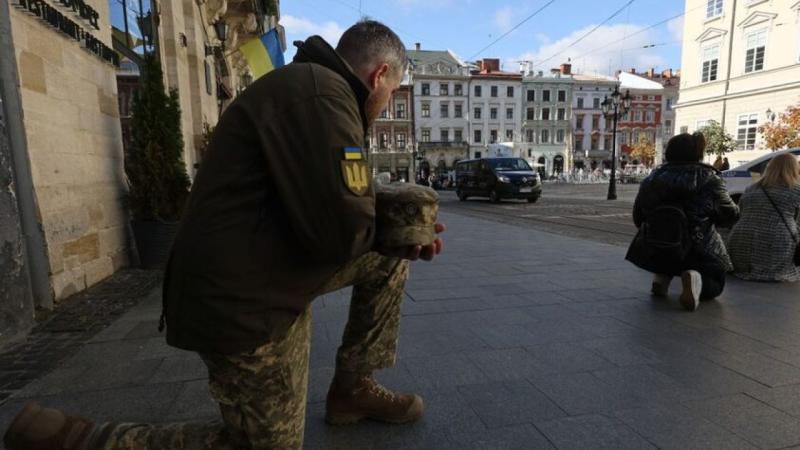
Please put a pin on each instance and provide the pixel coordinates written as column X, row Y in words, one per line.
column 677, row 210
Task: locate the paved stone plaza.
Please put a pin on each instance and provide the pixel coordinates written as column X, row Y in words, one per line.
column 516, row 339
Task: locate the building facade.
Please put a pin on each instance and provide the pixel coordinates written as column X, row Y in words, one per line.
column 643, row 122
column 391, row 136
column 441, row 109
column 546, row 117
column 60, row 99
column 741, row 58
column 495, row 105
column 592, row 133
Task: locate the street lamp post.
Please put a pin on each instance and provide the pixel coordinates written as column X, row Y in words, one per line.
column 614, row 108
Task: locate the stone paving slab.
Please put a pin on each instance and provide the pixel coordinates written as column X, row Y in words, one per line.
column 516, row 339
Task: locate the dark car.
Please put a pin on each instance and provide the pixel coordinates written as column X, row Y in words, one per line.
column 497, row 178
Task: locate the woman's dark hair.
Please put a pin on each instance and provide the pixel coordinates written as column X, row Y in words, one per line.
column 685, row 147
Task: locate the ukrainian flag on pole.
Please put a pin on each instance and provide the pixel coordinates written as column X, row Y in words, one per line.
column 263, row 54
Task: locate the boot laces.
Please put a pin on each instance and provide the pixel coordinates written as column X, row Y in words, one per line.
column 378, row 390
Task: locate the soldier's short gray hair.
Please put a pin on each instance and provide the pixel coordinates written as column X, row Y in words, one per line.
column 370, row 42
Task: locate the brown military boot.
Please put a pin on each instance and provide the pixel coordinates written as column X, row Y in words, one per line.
column 37, row 428
column 366, row 399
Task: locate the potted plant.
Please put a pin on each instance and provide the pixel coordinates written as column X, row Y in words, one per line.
column 157, row 180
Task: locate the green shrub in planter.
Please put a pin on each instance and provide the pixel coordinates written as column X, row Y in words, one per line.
column 157, row 180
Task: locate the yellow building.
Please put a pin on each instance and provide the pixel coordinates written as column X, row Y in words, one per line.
column 740, row 63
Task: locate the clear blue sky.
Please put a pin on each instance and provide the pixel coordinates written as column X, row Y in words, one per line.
column 467, row 26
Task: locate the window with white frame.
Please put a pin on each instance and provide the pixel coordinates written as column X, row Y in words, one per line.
column 700, row 124
column 383, row 140
column 561, row 114
column 528, row 135
column 477, row 136
column 746, row 131
column 509, row 113
column 529, row 113
column 458, row 135
column 458, row 111
column 426, row 135
column 710, row 63
column 477, row 113
column 444, row 89
column 444, row 110
column 400, row 110
column 713, row 8
column 546, row 95
column 650, row 116
column 444, row 135
column 756, row 48
column 545, row 113
column 509, row 135
column 560, row 136
column 401, row 141
column 493, row 113
column 426, row 110
column 545, row 137
column 492, row 136
column 637, row 115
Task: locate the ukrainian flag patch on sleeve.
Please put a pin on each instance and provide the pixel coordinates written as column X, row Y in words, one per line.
column 352, row 153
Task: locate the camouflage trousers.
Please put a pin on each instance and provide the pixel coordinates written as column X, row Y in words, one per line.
column 262, row 392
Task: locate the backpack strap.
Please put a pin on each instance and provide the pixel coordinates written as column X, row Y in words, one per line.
column 783, row 219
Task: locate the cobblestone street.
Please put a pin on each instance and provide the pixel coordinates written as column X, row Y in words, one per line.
column 517, row 339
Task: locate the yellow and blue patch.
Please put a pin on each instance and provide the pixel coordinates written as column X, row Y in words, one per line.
column 352, row 153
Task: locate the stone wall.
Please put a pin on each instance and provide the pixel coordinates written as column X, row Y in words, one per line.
column 16, row 307
column 71, row 119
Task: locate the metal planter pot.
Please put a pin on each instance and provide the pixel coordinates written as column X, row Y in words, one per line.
column 154, row 241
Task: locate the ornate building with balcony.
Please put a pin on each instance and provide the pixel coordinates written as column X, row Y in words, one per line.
column 441, row 109
column 391, row 136
column 546, row 115
column 740, row 63
column 592, row 133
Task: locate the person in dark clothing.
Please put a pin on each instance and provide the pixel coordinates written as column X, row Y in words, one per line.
column 677, row 210
column 725, row 164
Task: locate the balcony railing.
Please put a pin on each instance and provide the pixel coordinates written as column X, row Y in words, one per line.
column 442, row 144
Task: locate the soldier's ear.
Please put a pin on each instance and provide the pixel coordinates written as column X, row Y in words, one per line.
column 378, row 75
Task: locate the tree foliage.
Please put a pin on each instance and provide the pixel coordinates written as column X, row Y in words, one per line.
column 644, row 151
column 157, row 180
column 784, row 132
column 718, row 142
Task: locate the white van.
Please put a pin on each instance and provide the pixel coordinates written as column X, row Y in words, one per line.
column 738, row 178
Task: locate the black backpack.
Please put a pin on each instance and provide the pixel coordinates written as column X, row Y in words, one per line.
column 666, row 233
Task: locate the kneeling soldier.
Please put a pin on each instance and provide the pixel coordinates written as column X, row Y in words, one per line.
column 281, row 212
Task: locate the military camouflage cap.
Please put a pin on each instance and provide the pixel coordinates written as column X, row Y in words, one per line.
column 405, row 215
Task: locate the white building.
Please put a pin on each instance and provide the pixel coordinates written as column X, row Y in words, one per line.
column 592, row 133
column 546, row 119
column 740, row 59
column 441, row 108
column 494, row 107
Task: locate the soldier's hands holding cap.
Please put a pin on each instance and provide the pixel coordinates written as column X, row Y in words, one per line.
column 415, row 252
column 406, row 221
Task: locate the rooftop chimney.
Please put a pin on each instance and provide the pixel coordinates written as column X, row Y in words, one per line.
column 491, row 65
column 418, row 46
column 651, row 73
column 633, row 71
column 667, row 73
column 566, row 69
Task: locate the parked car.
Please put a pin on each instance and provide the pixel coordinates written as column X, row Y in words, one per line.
column 497, row 178
column 738, row 178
